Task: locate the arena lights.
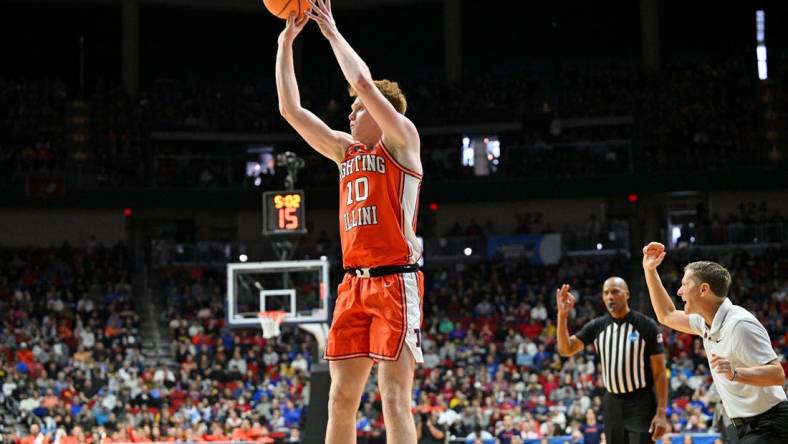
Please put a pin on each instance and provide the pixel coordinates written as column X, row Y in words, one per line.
column 760, row 40
column 468, row 251
column 243, row 258
column 675, row 234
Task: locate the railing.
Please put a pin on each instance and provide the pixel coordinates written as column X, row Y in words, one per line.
column 452, row 247
column 166, row 252
column 460, row 247
column 602, row 241
column 735, row 234
column 575, row 159
column 193, row 171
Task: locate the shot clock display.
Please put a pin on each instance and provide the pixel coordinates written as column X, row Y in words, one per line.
column 283, row 212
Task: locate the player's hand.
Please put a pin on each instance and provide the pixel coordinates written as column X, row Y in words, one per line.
column 721, row 365
column 565, row 302
column 659, row 425
column 320, row 12
column 293, row 27
column 653, row 254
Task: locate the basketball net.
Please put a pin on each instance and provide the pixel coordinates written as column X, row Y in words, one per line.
column 270, row 321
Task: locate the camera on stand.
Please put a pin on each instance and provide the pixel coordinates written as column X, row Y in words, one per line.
column 290, row 161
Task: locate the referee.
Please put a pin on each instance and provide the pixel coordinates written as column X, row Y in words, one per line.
column 629, row 345
column 746, row 370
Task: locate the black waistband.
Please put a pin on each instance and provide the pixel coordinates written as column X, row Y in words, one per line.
column 739, row 422
column 647, row 391
column 382, row 271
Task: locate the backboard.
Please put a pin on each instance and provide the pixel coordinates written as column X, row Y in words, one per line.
column 300, row 288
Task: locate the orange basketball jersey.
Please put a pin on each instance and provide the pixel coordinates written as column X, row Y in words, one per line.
column 378, row 205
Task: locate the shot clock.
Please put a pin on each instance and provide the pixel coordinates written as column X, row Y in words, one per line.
column 284, row 212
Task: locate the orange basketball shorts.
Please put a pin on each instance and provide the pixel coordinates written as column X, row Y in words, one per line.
column 375, row 317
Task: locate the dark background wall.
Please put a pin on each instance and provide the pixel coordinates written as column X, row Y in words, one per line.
column 403, row 41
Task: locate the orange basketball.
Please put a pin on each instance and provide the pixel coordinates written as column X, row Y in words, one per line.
column 283, row 8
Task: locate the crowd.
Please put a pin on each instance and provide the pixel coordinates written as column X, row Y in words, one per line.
column 498, row 359
column 46, row 129
column 70, row 356
column 686, row 115
column 235, row 384
column 702, row 117
column 72, row 368
column 118, row 127
column 30, row 114
column 71, row 361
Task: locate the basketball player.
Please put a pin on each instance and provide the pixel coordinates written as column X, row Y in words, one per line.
column 377, row 314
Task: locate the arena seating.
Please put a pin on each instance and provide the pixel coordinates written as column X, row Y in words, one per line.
column 71, row 362
column 688, row 115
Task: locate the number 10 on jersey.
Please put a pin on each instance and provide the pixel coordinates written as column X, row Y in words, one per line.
column 357, row 190
column 283, row 212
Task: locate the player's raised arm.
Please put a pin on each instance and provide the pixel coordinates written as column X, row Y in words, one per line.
column 399, row 133
column 317, row 134
column 653, row 255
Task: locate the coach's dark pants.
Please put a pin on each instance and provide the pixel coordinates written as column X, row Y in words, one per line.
column 767, row 428
column 628, row 417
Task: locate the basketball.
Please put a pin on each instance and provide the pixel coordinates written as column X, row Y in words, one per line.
column 283, row 8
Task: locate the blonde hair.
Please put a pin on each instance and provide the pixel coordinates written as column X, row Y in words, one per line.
column 391, row 91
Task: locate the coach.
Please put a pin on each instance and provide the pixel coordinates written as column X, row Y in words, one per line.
column 637, row 391
column 745, row 368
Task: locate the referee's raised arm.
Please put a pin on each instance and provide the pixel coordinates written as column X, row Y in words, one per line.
column 566, row 345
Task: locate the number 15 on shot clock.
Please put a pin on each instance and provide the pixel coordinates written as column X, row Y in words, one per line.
column 284, row 212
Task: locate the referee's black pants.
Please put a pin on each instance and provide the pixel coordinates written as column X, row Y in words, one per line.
column 628, row 417
column 770, row 427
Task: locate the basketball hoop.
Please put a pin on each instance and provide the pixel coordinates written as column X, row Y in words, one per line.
column 270, row 321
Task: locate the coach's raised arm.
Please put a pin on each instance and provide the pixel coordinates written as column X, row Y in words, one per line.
column 745, row 368
column 667, row 315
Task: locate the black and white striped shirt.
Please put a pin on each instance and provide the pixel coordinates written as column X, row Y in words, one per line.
column 624, row 347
